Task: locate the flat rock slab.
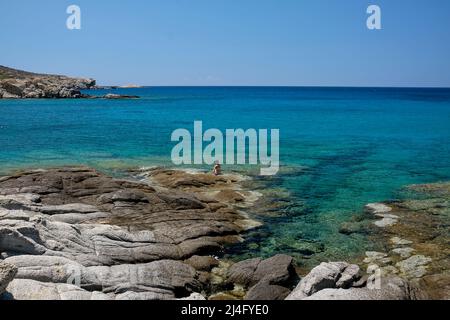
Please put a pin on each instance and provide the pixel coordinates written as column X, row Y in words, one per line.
column 75, row 233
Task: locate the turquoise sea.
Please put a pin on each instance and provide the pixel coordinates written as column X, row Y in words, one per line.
column 341, row 148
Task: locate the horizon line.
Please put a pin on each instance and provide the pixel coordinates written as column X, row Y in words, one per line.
column 274, row 86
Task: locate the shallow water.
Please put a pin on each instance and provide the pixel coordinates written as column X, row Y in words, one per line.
column 340, row 148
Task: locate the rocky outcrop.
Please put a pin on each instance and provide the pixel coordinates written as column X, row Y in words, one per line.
column 164, row 278
column 16, row 84
column 76, row 233
column 391, row 289
column 343, row 281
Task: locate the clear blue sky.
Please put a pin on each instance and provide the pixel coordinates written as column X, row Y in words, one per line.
column 232, row 42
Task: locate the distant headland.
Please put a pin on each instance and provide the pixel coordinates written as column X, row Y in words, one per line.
column 19, row 84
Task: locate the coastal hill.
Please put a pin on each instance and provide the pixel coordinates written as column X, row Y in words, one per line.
column 17, row 84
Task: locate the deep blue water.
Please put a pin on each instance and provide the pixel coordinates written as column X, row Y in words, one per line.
column 340, row 147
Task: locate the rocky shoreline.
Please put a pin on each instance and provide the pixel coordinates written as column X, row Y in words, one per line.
column 18, row 84
column 75, row 233
column 416, row 236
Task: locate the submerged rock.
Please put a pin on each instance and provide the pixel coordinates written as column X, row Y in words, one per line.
column 404, row 252
column 400, row 242
column 119, row 96
column 378, row 208
column 415, row 266
column 377, row 258
column 386, row 222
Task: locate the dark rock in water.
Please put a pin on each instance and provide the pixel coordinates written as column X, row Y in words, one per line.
column 265, row 291
column 349, row 228
column 119, row 96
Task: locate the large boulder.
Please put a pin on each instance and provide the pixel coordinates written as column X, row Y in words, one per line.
column 267, row 279
column 263, row 290
column 277, row 270
column 326, row 275
column 243, row 271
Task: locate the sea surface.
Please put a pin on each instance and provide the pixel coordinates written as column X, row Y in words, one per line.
column 340, row 148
